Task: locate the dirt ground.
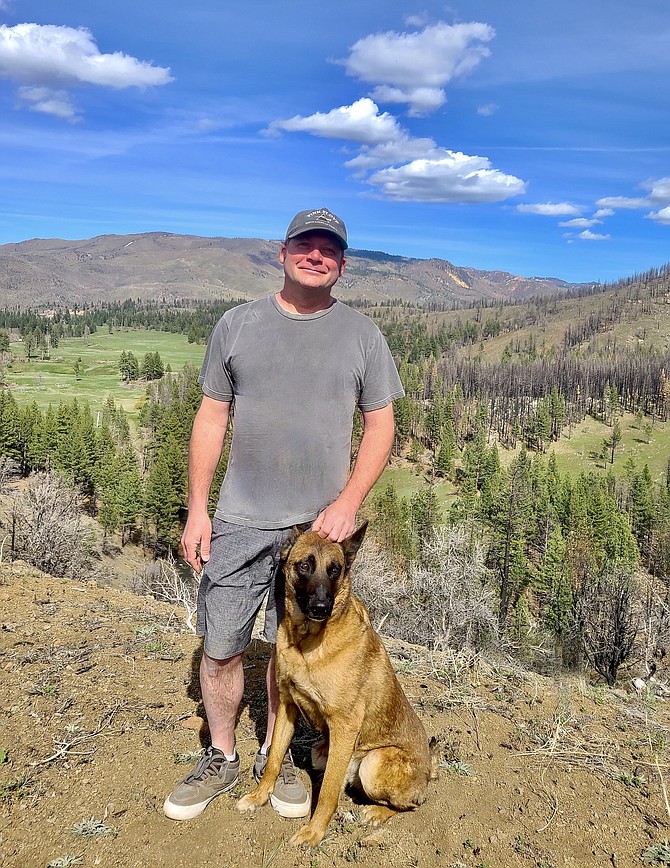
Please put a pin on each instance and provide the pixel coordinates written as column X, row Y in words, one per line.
column 100, row 717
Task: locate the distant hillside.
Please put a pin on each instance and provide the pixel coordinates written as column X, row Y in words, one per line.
column 46, row 272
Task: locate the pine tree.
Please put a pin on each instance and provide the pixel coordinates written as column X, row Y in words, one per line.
column 510, row 522
column 553, row 586
column 424, row 516
column 641, row 507
column 166, row 491
column 615, row 439
column 444, row 460
column 10, row 431
column 392, row 525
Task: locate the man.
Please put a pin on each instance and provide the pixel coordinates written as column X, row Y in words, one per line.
column 293, row 366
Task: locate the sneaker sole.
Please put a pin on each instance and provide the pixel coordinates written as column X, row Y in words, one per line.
column 290, row 811
column 184, row 812
column 189, row 812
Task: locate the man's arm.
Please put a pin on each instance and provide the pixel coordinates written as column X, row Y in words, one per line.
column 337, row 521
column 209, row 429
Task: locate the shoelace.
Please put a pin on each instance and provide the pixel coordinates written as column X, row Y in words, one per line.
column 288, row 771
column 208, row 764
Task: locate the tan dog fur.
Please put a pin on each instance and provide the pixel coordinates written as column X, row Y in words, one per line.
column 336, row 672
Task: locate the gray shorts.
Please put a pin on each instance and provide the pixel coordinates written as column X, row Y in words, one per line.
column 238, row 576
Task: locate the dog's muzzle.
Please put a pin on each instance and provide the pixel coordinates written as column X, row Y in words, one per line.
column 319, row 605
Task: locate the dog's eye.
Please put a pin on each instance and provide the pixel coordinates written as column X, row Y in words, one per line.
column 333, row 570
column 303, row 567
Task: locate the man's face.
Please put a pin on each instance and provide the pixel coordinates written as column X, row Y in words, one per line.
column 313, row 260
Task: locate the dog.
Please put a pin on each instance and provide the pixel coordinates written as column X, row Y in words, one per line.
column 333, row 669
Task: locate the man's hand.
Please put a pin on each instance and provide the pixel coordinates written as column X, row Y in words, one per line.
column 195, row 541
column 336, row 522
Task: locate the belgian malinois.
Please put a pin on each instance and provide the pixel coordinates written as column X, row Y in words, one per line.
column 333, row 668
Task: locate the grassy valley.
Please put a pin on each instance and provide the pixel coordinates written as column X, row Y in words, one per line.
column 49, row 381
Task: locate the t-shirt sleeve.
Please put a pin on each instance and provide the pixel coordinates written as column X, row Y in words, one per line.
column 381, row 383
column 214, row 374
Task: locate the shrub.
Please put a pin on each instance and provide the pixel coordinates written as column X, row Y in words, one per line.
column 49, row 531
column 164, row 580
column 445, row 600
column 608, row 615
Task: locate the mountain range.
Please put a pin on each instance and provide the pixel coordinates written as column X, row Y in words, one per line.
column 162, row 266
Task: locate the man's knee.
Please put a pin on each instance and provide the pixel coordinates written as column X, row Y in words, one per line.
column 214, row 667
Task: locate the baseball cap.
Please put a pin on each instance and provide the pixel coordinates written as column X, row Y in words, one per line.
column 322, row 220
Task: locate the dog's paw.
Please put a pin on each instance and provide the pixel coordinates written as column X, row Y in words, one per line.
column 307, row 837
column 375, row 815
column 249, row 803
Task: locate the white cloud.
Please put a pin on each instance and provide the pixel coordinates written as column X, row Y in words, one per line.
column 410, row 68
column 51, row 57
column 662, row 216
column 206, row 125
column 603, row 212
column 415, row 20
column 550, row 209
column 587, row 235
column 49, row 101
column 659, row 191
column 423, row 100
column 360, row 122
column 487, row 110
column 580, row 222
column 396, row 151
column 453, row 177
column 621, row 202
column 414, row 67
column 659, row 194
column 415, row 168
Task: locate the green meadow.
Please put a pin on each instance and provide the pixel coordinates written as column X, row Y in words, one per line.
column 52, row 381
column 579, row 450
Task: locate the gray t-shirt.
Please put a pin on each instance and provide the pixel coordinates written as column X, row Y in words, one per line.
column 295, row 381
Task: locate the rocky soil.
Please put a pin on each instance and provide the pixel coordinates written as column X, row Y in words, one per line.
column 100, row 717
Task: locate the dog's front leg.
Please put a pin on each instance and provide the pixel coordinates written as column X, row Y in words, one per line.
column 340, row 752
column 287, row 714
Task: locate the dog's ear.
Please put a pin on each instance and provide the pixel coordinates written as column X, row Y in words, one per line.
column 351, row 544
column 291, row 538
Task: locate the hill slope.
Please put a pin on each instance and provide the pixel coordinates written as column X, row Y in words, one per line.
column 99, row 693
column 155, row 265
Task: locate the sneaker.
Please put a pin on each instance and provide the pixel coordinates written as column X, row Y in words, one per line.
column 289, row 797
column 213, row 775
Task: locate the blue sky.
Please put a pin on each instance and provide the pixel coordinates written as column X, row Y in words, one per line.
column 528, row 136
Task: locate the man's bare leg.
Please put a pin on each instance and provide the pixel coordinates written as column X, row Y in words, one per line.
column 222, row 686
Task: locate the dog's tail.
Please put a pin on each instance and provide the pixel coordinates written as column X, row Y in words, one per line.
column 433, row 750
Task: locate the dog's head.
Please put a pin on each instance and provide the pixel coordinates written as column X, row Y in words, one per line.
column 316, row 573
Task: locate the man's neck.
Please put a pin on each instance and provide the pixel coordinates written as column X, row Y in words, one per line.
column 298, row 303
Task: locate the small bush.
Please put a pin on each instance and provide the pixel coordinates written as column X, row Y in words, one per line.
column 92, row 828
column 49, row 531
column 657, row 854
column 164, row 580
column 608, row 615
column 445, row 600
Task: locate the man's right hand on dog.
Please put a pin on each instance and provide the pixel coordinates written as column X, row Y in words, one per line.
column 336, row 522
